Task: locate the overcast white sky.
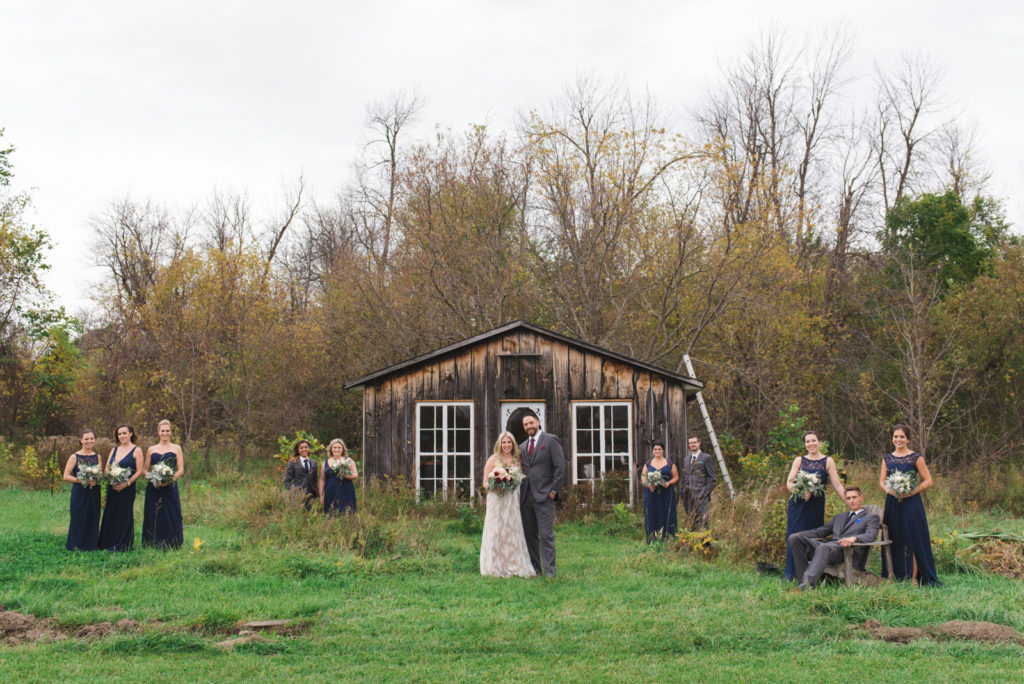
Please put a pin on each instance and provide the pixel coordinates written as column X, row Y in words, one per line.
column 169, row 100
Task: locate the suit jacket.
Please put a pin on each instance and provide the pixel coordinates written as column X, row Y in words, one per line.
column 699, row 477
column 544, row 472
column 296, row 476
column 864, row 527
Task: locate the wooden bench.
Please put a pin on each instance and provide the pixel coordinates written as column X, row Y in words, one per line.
column 859, row 574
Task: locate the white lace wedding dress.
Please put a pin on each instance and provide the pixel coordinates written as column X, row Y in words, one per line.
column 503, row 551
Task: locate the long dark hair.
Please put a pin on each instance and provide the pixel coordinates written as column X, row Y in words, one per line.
column 131, row 432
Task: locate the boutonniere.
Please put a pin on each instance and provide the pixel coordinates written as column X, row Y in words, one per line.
column 856, row 520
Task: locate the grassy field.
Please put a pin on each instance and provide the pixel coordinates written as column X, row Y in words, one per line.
column 618, row 611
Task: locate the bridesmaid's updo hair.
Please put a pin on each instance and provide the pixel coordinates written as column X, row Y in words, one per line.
column 812, row 432
column 657, row 443
column 295, row 449
column 336, row 440
column 903, row 427
column 131, row 431
column 83, row 432
column 162, row 423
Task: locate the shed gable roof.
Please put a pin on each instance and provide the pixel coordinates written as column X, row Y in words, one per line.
column 692, row 384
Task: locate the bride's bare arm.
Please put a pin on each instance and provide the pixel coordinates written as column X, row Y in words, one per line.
column 487, row 470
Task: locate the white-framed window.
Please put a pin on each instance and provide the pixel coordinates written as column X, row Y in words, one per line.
column 602, row 444
column 444, row 448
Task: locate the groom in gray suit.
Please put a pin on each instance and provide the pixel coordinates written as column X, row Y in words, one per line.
column 846, row 528
column 544, row 465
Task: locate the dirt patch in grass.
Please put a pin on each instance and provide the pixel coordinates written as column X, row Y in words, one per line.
column 20, row 628
column 246, row 636
column 961, row 630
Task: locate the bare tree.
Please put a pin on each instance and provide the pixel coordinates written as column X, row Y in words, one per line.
column 928, row 371
column 908, row 98
column 956, row 147
column 276, row 231
column 134, row 239
column 378, row 175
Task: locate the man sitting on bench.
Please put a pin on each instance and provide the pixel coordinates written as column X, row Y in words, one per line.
column 858, row 525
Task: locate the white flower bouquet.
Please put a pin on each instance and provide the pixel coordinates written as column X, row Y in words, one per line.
column 117, row 475
column 901, row 483
column 807, row 482
column 160, row 474
column 89, row 474
column 505, row 479
column 341, row 467
column 654, row 478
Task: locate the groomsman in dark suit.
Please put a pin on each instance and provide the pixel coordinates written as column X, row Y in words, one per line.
column 858, row 525
column 698, row 482
column 301, row 473
column 544, row 466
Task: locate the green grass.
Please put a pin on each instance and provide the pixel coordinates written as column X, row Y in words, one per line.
column 617, row 612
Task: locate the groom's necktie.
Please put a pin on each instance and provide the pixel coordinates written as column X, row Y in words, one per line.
column 529, row 451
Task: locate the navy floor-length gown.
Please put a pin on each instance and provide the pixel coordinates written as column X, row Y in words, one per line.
column 660, row 506
column 805, row 515
column 84, row 525
column 161, row 518
column 908, row 529
column 339, row 492
column 117, row 532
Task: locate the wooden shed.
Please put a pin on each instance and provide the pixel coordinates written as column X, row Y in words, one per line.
column 434, row 419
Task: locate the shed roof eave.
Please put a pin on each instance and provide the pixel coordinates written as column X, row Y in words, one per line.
column 692, row 385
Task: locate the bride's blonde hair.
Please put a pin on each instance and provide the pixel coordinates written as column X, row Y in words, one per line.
column 515, row 447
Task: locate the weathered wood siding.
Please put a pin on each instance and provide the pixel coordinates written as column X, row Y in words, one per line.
column 521, row 365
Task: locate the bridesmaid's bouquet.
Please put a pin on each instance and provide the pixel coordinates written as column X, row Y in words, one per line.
column 654, row 478
column 89, row 474
column 901, row 483
column 160, row 474
column 341, row 468
column 117, row 475
column 505, row 479
column 807, row 482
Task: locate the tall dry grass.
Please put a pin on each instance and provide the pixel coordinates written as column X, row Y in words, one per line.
column 389, row 520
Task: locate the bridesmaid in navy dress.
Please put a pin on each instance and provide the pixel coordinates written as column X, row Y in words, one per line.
column 83, row 528
column 117, row 531
column 660, row 503
column 809, row 512
column 161, row 519
column 338, row 492
column 904, row 514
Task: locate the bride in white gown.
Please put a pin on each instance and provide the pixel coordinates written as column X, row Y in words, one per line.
column 503, row 551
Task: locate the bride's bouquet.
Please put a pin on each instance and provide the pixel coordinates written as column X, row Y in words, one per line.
column 901, row 483
column 160, row 474
column 117, row 475
column 807, row 482
column 654, row 478
column 89, row 474
column 340, row 467
column 505, row 479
